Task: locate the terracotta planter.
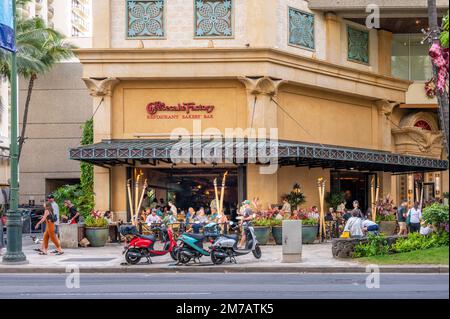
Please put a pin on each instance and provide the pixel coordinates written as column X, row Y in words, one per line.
column 277, row 234
column 388, row 227
column 309, row 233
column 97, row 236
column 262, row 234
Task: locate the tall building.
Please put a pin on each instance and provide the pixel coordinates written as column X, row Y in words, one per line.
column 347, row 99
column 59, row 105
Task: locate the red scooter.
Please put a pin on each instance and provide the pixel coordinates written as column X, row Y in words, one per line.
column 142, row 246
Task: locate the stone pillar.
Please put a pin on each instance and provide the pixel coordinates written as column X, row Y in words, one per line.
column 384, row 124
column 262, row 112
column 101, row 91
column 262, row 186
column 384, row 52
column 333, row 29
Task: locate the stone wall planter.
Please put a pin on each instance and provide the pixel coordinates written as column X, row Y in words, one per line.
column 345, row 247
column 277, row 233
column 262, row 234
column 309, row 233
column 68, row 235
column 388, row 227
column 97, row 236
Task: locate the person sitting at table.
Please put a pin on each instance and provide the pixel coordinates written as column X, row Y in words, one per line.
column 190, row 215
column 201, row 216
column 214, row 214
column 152, row 218
column 108, row 216
column 169, row 219
column 329, row 215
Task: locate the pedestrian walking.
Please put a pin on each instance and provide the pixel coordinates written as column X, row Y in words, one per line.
column 401, row 218
column 55, row 207
column 414, row 217
column 49, row 219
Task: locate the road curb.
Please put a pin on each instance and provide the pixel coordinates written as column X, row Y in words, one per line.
column 219, row 269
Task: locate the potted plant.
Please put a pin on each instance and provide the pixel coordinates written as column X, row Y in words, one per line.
column 277, row 230
column 97, row 230
column 334, row 199
column 296, row 197
column 386, row 217
column 310, row 228
column 262, row 230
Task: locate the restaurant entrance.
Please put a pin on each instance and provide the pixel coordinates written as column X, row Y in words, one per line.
column 354, row 185
column 193, row 187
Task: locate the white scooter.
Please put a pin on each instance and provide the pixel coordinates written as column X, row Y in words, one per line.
column 226, row 246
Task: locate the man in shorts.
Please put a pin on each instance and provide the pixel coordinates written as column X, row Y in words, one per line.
column 401, row 218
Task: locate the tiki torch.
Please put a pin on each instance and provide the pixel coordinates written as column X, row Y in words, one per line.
column 222, row 194
column 130, row 199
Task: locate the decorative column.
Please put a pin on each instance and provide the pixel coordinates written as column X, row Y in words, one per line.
column 333, row 27
column 262, row 112
column 384, row 52
column 101, row 91
column 384, row 109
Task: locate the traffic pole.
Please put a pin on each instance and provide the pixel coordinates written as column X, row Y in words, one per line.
column 14, row 253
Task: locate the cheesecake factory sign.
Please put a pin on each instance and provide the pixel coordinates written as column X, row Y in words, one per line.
column 182, row 111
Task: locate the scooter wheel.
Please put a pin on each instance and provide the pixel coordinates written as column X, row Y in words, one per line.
column 174, row 254
column 217, row 260
column 182, row 258
column 257, row 252
column 131, row 258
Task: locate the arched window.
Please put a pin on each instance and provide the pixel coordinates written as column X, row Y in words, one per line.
column 423, row 125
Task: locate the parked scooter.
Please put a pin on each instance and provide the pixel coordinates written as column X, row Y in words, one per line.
column 142, row 246
column 226, row 246
column 190, row 246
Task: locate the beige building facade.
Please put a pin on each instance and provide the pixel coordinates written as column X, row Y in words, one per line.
column 58, row 104
column 321, row 79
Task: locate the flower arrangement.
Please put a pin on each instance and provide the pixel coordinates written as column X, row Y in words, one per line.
column 385, row 209
column 96, row 220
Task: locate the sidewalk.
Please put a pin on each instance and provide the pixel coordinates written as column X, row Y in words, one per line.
column 316, row 258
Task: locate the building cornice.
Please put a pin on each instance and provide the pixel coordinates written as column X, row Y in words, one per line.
column 204, row 63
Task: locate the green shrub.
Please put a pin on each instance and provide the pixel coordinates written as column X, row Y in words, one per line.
column 263, row 222
column 310, row 222
column 92, row 222
column 276, row 222
column 77, row 196
column 436, row 214
column 415, row 241
column 376, row 245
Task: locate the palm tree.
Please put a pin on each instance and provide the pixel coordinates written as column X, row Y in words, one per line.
column 39, row 48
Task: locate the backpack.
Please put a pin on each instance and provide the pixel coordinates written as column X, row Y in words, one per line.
column 52, row 218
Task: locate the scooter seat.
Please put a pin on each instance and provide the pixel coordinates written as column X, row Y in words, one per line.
column 231, row 236
column 196, row 236
column 148, row 237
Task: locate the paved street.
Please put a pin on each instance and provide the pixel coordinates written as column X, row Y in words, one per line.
column 218, row 286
